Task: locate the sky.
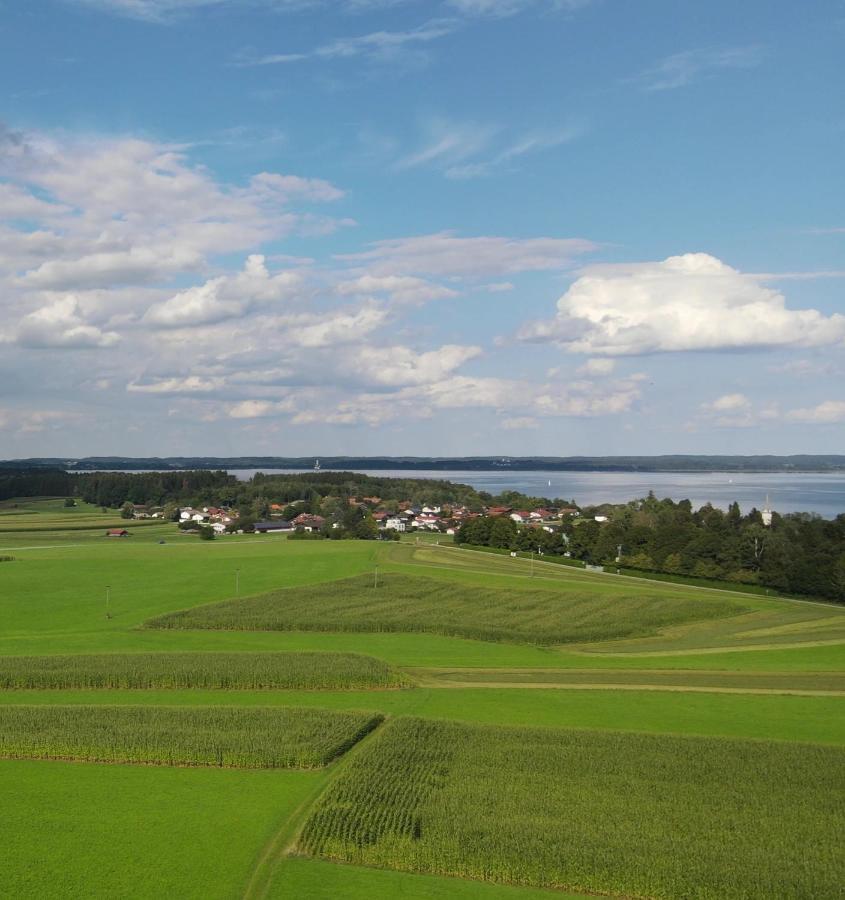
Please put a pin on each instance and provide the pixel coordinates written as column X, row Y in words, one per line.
column 421, row 227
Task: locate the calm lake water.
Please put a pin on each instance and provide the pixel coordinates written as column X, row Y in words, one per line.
column 822, row 494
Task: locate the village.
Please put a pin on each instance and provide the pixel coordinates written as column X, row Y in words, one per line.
column 401, row 517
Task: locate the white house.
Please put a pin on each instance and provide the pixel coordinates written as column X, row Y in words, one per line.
column 395, row 523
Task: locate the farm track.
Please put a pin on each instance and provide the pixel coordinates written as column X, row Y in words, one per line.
column 284, row 841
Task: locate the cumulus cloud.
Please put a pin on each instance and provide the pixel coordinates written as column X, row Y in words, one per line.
column 446, row 254
column 827, row 413
column 684, row 303
column 61, row 324
column 226, row 297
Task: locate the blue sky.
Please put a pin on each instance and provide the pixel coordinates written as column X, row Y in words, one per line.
column 406, row 227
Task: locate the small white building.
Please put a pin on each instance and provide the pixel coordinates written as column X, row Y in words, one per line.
column 395, row 523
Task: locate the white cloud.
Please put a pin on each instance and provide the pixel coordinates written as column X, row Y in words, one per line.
column 334, row 329
column 397, row 366
column 400, row 288
column 61, row 324
column 728, row 403
column 685, row 303
column 377, row 45
column 827, row 413
column 683, row 68
column 445, row 254
column 448, row 144
column 226, row 297
column 287, row 187
column 597, row 367
column 259, row 409
column 191, row 384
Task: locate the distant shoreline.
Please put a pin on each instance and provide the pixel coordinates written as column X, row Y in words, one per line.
column 676, row 464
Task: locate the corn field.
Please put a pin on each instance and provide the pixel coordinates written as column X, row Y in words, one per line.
column 255, row 738
column 224, row 671
column 413, row 604
column 594, row 812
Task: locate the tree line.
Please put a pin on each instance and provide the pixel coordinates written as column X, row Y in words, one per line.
column 798, row 553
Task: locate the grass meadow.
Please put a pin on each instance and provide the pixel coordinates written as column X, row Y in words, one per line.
column 606, row 719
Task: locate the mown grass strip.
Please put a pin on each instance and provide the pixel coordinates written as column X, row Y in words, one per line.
column 674, row 679
column 224, row 671
column 257, row 738
column 414, row 604
column 597, row 812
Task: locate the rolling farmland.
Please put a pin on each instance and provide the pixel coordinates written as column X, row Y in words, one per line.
column 509, row 702
column 411, row 604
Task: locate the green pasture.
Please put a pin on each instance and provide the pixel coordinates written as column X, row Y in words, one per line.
column 95, row 830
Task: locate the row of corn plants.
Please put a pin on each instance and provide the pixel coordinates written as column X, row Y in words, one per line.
column 253, row 738
column 408, row 603
column 594, row 812
column 225, row 671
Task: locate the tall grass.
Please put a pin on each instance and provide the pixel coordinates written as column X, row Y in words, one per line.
column 257, row 738
column 414, row 604
column 595, row 812
column 226, row 671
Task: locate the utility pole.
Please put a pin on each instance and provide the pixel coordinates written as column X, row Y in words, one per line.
column 375, row 578
column 237, row 582
column 532, row 563
column 108, row 602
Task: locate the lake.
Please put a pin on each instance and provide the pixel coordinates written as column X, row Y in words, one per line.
column 823, row 494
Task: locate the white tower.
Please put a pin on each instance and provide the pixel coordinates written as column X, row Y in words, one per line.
column 767, row 513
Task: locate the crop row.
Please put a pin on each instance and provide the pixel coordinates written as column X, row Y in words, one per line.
column 593, row 812
column 254, row 738
column 225, row 671
column 413, row 604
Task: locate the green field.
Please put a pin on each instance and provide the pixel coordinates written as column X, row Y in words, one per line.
column 410, row 603
column 224, row 671
column 229, row 736
column 755, row 684
column 589, row 811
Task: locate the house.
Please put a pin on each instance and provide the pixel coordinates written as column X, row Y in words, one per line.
column 520, row 516
column 275, row 525
column 219, row 528
column 431, row 510
column 499, row 511
column 394, row 522
column 380, row 516
column 309, row 522
column 600, row 519
column 117, row 532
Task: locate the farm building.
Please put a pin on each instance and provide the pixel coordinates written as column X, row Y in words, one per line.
column 275, row 525
column 117, row 532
